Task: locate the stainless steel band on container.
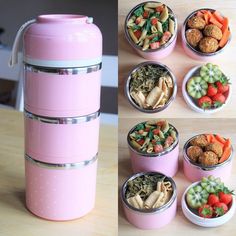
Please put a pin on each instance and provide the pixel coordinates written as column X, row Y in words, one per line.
column 63, row 71
column 64, row 166
column 63, row 120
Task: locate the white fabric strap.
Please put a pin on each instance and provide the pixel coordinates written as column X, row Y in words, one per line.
column 14, row 54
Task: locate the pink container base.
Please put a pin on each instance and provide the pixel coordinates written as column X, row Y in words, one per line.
column 166, row 164
column 61, row 143
column 56, row 95
column 151, row 220
column 60, row 195
column 194, row 173
column 159, row 54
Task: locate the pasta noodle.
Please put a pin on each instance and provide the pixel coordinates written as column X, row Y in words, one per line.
column 148, row 20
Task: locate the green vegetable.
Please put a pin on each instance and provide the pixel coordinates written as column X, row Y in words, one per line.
column 136, row 27
column 138, row 12
column 139, row 126
column 165, row 26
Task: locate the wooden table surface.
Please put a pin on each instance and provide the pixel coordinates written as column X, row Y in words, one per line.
column 178, row 61
column 16, row 220
column 180, row 225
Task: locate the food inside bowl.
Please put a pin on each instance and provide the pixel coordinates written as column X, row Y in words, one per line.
column 209, row 149
column 148, row 191
column 210, row 198
column 153, row 136
column 207, row 31
column 151, row 25
column 208, row 87
column 151, row 86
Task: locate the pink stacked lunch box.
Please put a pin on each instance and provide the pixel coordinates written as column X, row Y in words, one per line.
column 62, row 66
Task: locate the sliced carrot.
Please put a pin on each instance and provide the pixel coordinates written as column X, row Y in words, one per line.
column 225, row 155
column 206, row 18
column 200, row 14
column 214, row 140
column 220, row 139
column 214, row 21
column 227, row 143
column 225, row 24
column 218, row 16
column 224, row 38
column 208, row 136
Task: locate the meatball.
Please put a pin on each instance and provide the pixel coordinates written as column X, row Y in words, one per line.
column 208, row 158
column 194, row 152
column 196, row 22
column 216, row 148
column 193, row 36
column 200, row 141
column 208, row 45
column 213, row 31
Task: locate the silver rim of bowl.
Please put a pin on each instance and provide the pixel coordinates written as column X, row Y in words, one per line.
column 149, row 50
column 131, row 101
column 153, row 155
column 149, row 211
column 199, row 166
column 192, row 48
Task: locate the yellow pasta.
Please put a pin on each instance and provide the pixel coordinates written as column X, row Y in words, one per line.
column 131, row 33
column 164, row 15
column 153, row 4
column 171, row 26
column 145, row 44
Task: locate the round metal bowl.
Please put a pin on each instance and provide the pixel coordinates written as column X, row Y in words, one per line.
column 190, row 101
column 152, row 155
column 205, row 222
column 199, row 166
column 155, row 210
column 194, row 50
column 127, row 87
column 150, row 51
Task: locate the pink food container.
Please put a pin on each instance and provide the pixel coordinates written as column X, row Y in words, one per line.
column 62, row 67
column 193, row 52
column 62, row 92
column 60, row 192
column 150, row 218
column 61, row 140
column 194, row 171
column 153, row 54
column 165, row 162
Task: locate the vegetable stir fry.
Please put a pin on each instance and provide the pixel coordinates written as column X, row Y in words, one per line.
column 151, row 25
column 148, row 191
column 153, row 136
column 151, row 86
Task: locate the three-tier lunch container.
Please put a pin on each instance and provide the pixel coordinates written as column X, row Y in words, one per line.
column 62, row 72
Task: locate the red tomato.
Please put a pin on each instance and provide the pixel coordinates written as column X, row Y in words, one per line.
column 145, row 14
column 156, row 131
column 140, row 142
column 166, row 36
column 155, row 45
column 154, row 21
column 138, row 33
column 158, row 148
column 159, row 9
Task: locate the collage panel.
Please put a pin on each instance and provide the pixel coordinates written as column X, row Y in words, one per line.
column 176, row 117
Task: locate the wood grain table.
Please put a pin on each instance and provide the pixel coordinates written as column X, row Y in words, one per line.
column 187, row 128
column 178, row 61
column 16, row 220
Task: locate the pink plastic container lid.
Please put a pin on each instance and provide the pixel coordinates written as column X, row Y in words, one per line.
column 62, row 40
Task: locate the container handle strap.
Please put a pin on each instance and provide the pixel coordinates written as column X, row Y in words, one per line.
column 14, row 54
